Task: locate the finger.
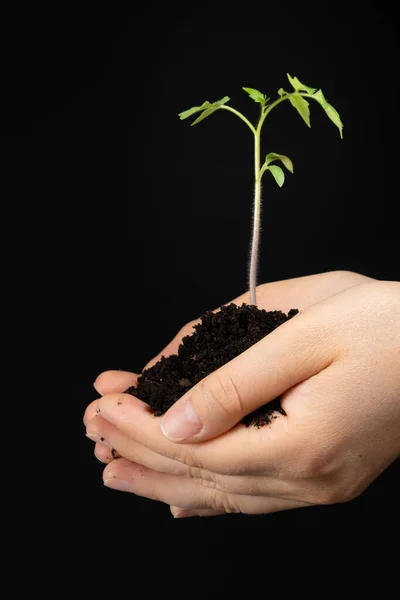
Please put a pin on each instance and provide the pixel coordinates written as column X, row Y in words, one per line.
column 174, row 490
column 114, row 440
column 180, row 513
column 90, row 413
column 103, row 453
column 103, row 449
column 123, row 475
column 266, row 448
column 111, row 382
column 293, row 352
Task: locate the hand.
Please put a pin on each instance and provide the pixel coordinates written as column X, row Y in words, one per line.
column 336, row 364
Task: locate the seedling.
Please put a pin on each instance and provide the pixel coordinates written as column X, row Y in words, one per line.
column 298, row 99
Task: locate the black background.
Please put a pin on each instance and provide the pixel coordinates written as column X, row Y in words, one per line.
column 120, row 223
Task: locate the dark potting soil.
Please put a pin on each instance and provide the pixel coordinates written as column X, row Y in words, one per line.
column 217, row 339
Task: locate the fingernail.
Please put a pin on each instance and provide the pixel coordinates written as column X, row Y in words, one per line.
column 97, row 438
column 181, row 422
column 118, row 484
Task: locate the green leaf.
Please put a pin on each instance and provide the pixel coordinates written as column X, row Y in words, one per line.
column 191, row 111
column 319, row 96
column 278, row 174
column 281, row 92
column 284, row 159
column 301, row 105
column 300, row 87
column 223, row 100
column 204, row 107
column 205, row 114
column 331, row 112
column 255, row 95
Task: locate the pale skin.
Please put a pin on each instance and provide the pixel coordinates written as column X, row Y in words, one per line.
column 337, row 366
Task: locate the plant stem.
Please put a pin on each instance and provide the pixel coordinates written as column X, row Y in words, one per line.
column 255, row 242
column 257, row 205
column 238, row 114
column 256, row 220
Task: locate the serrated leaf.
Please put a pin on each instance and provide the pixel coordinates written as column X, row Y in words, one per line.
column 255, row 95
column 206, row 105
column 301, row 105
column 300, row 87
column 284, row 159
column 278, row 174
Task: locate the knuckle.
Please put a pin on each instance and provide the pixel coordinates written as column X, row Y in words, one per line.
column 334, row 492
column 324, row 473
column 311, row 466
column 341, row 273
column 190, row 456
column 220, row 501
column 352, row 492
column 219, row 389
column 322, row 460
column 331, row 483
column 326, row 493
column 210, row 480
column 350, row 487
column 349, row 276
column 205, row 478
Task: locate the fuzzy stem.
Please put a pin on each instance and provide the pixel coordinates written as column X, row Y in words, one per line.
column 256, row 221
column 255, row 242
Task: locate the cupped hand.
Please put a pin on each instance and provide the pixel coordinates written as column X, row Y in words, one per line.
column 336, row 364
column 300, row 292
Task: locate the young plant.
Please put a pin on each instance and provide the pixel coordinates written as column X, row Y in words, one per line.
column 298, row 99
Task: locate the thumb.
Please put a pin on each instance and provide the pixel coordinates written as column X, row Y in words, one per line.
column 293, row 352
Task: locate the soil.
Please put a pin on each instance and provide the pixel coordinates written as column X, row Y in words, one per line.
column 217, row 338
